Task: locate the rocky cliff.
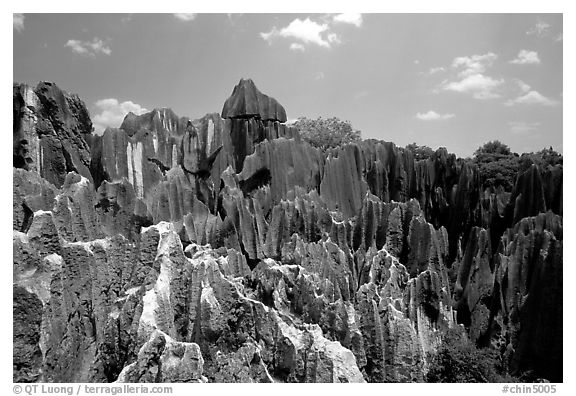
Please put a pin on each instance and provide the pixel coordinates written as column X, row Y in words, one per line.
column 49, row 130
column 226, row 249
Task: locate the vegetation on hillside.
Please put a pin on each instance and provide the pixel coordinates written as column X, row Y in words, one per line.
column 420, row 152
column 459, row 360
column 499, row 167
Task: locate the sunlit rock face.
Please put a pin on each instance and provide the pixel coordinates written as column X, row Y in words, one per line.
column 48, row 132
column 227, row 249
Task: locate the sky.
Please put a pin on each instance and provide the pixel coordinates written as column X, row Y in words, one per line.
column 451, row 80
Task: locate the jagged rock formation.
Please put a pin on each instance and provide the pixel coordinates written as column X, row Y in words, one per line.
column 473, row 289
column 162, row 359
column 30, row 193
column 225, row 249
column 528, row 282
column 248, row 102
column 49, row 126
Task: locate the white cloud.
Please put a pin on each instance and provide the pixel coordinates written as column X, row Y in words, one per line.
column 475, row 64
column 319, row 76
column 528, row 96
column 333, row 38
column 532, row 98
column 435, row 70
column 433, row 116
column 112, row 113
column 297, row 47
column 477, row 85
column 541, row 29
column 470, row 78
column 524, row 88
column 307, row 31
column 559, row 37
column 353, row 19
column 310, row 32
column 18, row 22
column 523, row 128
column 526, row 57
column 185, row 17
column 89, row 48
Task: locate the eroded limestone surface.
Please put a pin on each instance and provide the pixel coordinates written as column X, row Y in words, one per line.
column 226, row 249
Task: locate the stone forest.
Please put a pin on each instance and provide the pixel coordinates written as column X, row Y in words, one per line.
column 229, row 249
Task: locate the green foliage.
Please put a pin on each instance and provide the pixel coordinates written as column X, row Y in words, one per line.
column 543, row 158
column 420, row 152
column 493, row 147
column 326, row 133
column 498, row 172
column 499, row 167
column 458, row 360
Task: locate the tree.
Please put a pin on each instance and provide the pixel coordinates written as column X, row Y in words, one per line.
column 501, row 172
column 493, row 147
column 543, row 158
column 420, row 152
column 498, row 166
column 325, row 133
column 458, row 360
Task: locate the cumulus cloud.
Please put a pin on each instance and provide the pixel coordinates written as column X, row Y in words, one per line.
column 475, row 64
column 532, row 98
column 350, row 18
column 89, row 48
column 470, row 78
column 433, row 116
column 522, row 127
column 185, row 17
column 526, row 57
column 111, row 113
column 477, row 85
column 309, row 32
column 435, row 70
column 18, row 22
column 334, row 38
column 527, row 96
column 524, row 88
column 540, row 29
column 297, row 47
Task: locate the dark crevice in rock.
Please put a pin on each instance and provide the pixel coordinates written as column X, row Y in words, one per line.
column 108, row 206
column 28, row 217
column 163, row 168
column 258, row 179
